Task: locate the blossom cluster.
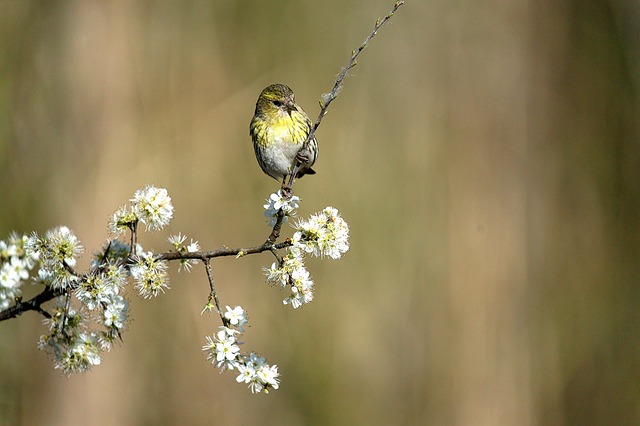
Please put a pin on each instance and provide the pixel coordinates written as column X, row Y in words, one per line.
column 71, row 343
column 57, row 252
column 276, row 202
column 73, row 348
column 100, row 293
column 149, row 205
column 150, row 275
column 292, row 272
column 15, row 264
column 323, row 234
column 224, row 352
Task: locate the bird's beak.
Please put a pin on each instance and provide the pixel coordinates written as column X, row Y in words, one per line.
column 291, row 107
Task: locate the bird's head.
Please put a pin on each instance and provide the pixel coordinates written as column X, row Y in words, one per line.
column 276, row 98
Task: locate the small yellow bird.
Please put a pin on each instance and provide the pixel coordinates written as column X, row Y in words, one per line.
column 278, row 129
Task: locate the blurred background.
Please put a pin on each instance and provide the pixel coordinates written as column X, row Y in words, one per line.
column 486, row 156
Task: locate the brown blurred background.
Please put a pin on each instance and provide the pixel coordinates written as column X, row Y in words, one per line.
column 485, row 154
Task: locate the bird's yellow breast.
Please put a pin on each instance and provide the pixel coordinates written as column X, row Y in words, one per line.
column 281, row 128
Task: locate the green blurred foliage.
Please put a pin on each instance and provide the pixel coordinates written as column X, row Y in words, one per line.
column 485, row 155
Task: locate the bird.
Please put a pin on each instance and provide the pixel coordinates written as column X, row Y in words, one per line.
column 279, row 128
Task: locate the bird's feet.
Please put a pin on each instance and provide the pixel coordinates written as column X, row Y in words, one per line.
column 286, row 190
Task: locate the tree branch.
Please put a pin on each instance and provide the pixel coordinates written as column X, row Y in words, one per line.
column 224, row 251
column 35, row 303
column 327, row 98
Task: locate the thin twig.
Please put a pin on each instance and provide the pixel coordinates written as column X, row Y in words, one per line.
column 134, row 237
column 277, row 256
column 327, row 98
column 222, row 252
column 63, row 324
column 69, row 269
column 213, row 294
column 275, row 232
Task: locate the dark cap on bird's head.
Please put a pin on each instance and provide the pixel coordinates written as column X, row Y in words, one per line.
column 280, row 90
column 278, row 95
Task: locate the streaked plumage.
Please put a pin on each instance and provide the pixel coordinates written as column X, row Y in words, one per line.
column 278, row 129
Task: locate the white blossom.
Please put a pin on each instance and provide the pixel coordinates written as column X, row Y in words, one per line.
column 278, row 201
column 153, row 207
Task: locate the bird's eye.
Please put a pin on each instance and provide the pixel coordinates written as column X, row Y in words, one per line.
column 277, row 103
